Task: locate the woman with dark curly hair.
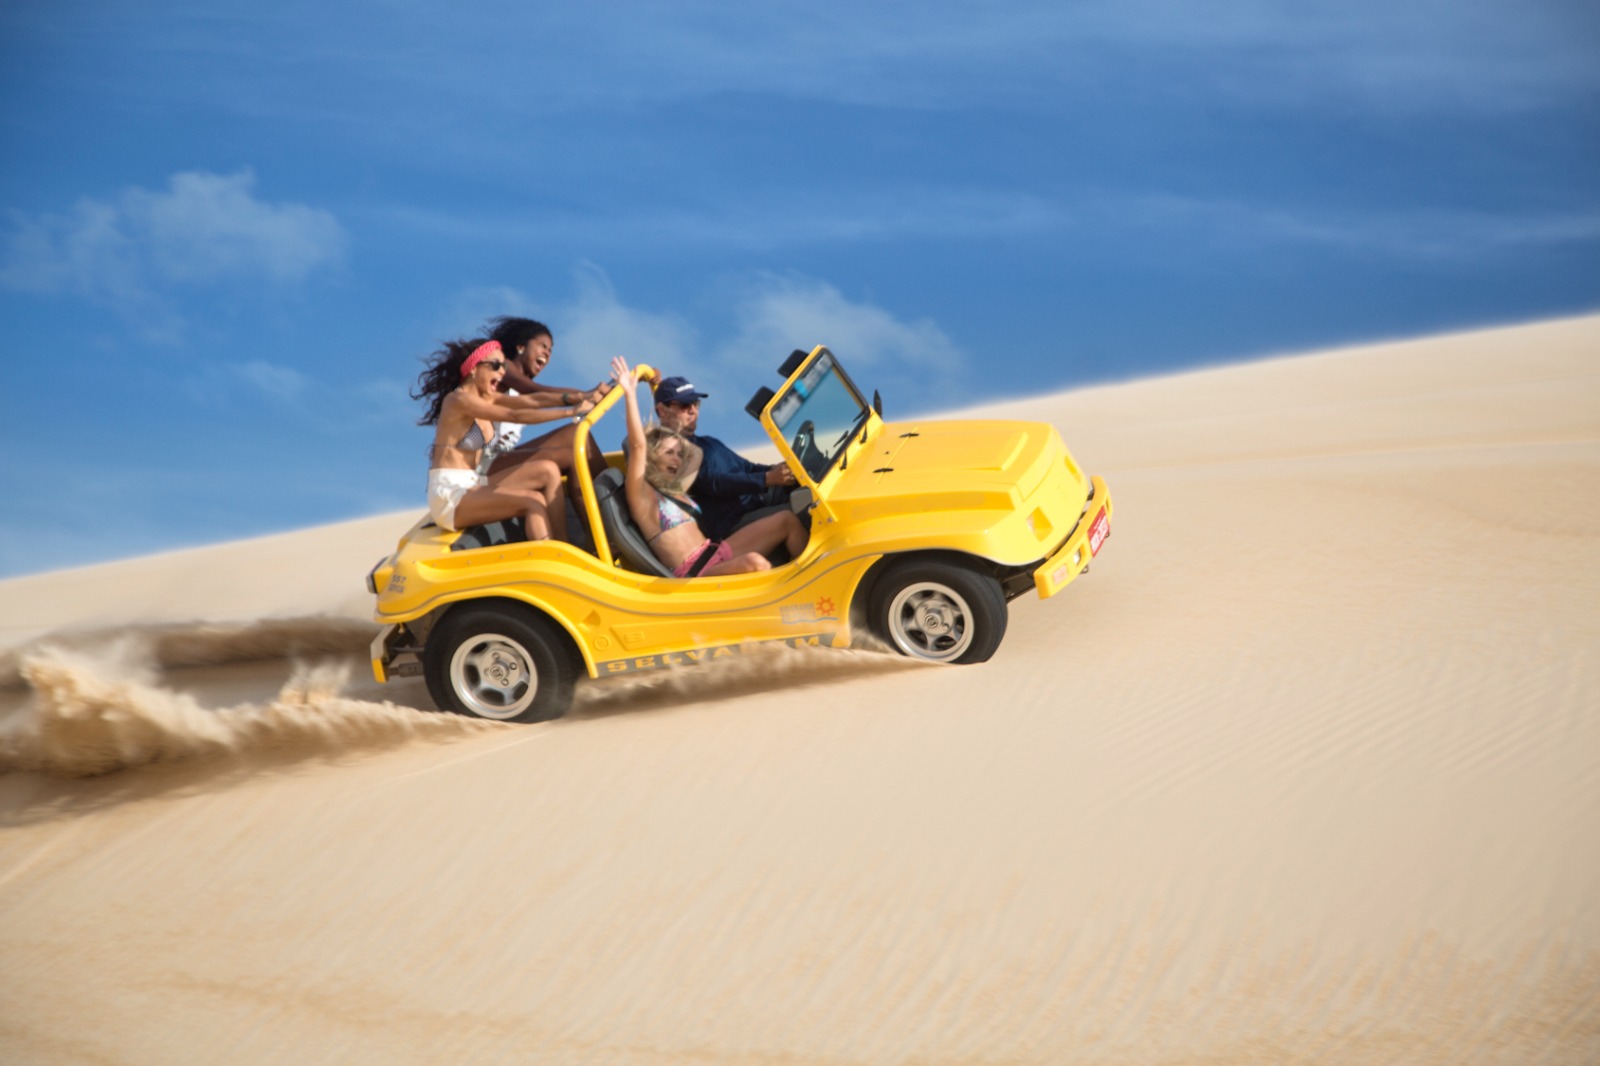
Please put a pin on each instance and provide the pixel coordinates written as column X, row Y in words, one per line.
column 528, row 346
column 461, row 389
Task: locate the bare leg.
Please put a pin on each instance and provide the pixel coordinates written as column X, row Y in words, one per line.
column 555, row 446
column 747, row 563
column 527, row 490
column 765, row 534
column 546, row 514
column 751, row 544
column 558, row 447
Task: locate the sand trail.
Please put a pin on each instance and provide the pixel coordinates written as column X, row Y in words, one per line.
column 1306, row 770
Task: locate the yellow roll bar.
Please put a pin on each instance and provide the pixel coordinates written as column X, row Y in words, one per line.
column 580, row 462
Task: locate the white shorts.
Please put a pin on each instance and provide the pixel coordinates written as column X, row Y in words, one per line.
column 445, row 489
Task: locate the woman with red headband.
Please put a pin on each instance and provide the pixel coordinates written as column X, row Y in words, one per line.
column 460, row 387
column 528, row 346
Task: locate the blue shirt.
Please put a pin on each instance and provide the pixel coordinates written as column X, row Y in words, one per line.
column 728, row 487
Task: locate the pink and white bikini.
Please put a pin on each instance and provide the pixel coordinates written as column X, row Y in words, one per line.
column 673, row 512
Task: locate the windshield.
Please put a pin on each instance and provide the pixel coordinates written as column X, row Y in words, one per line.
column 817, row 414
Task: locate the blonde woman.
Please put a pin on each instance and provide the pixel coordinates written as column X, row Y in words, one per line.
column 662, row 465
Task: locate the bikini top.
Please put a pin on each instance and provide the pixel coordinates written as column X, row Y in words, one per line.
column 673, row 512
column 470, row 441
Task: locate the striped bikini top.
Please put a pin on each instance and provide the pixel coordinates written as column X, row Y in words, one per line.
column 471, row 441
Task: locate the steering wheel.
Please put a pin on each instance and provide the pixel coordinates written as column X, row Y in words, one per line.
column 803, row 439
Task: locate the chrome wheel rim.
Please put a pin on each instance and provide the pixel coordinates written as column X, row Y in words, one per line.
column 494, row 675
column 931, row 621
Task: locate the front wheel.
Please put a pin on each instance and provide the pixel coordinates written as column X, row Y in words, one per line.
column 498, row 663
column 939, row 612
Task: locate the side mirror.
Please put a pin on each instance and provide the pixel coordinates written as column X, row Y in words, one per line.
column 877, row 403
column 791, row 364
column 758, row 402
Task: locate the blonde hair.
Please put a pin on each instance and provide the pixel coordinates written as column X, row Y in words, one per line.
column 655, row 438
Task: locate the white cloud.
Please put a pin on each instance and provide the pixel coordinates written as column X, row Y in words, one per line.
column 279, row 382
column 381, row 402
column 1423, row 234
column 589, row 326
column 400, row 61
column 755, row 219
column 202, row 229
column 598, row 326
column 914, row 361
column 780, row 313
column 249, row 385
column 1477, row 54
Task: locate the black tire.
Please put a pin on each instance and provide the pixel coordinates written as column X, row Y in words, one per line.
column 500, row 663
column 939, row 612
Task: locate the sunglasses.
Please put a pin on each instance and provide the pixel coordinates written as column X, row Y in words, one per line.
column 494, row 364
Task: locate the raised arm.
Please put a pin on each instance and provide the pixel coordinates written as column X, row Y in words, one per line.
column 629, row 383
column 641, row 497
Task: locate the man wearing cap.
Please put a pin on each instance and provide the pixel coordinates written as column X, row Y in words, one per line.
column 730, row 489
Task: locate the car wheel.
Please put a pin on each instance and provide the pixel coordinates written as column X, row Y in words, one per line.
column 505, row 665
column 939, row 612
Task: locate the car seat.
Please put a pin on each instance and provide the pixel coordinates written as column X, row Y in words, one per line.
column 490, row 535
column 624, row 535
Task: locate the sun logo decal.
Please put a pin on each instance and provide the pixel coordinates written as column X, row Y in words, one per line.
column 804, row 613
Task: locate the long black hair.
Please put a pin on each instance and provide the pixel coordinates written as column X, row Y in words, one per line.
column 442, row 375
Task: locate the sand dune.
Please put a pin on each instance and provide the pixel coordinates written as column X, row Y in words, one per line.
column 1307, row 770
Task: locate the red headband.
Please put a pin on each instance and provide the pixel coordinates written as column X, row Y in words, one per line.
column 479, row 354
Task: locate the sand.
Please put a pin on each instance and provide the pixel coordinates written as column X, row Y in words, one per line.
column 1307, row 769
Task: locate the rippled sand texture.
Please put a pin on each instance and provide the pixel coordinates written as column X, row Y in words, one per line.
column 1307, row 770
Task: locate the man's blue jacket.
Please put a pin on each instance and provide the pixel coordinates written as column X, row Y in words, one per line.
column 728, row 487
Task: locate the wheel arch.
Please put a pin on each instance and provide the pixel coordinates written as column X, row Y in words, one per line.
column 517, row 606
column 861, row 598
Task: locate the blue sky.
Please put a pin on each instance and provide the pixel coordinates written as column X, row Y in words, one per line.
column 229, row 231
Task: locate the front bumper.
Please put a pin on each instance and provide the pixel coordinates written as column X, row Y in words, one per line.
column 1073, row 556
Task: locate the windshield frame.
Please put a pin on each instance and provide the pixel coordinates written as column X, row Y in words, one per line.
column 815, row 380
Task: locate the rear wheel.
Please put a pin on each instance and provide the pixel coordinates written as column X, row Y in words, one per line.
column 504, row 664
column 939, row 612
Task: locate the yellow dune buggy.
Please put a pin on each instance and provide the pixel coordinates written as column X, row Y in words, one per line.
column 921, row 532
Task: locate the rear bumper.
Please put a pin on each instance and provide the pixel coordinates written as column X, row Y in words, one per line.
column 394, row 654
column 380, row 653
column 1073, row 556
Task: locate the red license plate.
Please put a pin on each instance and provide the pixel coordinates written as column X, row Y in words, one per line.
column 1099, row 530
